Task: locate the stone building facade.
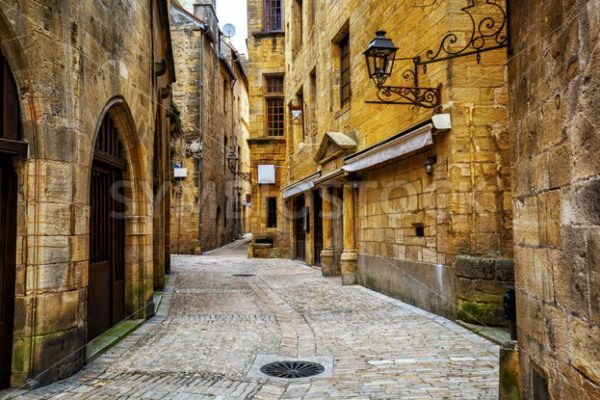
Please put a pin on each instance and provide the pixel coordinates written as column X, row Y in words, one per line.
column 84, row 155
column 266, row 46
column 211, row 95
column 362, row 201
column 554, row 97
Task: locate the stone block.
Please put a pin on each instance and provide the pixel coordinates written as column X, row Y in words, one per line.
column 526, row 224
column 593, row 264
column 550, row 210
column 57, row 312
column 559, row 161
column 474, row 267
column 570, row 271
column 585, row 348
column 504, row 270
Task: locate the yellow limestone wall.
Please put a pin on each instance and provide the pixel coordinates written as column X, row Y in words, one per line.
column 465, row 205
column 266, row 56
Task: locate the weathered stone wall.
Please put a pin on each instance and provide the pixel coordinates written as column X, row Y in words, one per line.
column 554, row 92
column 266, row 57
column 74, row 62
column 224, row 126
column 464, row 206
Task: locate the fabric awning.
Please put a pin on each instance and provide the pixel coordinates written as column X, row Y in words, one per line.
column 405, row 144
column 301, row 186
column 330, row 177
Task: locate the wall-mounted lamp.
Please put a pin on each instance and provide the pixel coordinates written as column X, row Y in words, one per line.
column 429, row 163
column 296, row 109
column 381, row 56
column 232, row 160
column 487, row 32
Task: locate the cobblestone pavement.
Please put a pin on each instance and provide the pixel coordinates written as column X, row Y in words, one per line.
column 212, row 326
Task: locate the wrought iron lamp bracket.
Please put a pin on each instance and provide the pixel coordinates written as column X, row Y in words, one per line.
column 490, row 32
column 426, row 97
column 487, row 33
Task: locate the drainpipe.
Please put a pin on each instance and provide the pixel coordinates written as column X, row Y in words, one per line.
column 202, row 111
column 235, row 146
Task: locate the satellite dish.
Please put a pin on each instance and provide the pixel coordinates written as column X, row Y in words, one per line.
column 229, row 30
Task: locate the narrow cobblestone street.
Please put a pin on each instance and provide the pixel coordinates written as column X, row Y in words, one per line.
column 212, row 326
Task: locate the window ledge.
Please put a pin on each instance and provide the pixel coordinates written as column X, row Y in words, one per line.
column 261, row 34
column 267, row 139
column 343, row 111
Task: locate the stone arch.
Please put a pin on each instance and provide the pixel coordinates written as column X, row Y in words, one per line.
column 138, row 204
column 12, row 49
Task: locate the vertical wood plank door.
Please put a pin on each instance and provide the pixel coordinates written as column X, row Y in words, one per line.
column 8, row 235
column 318, row 206
column 300, row 233
column 106, row 290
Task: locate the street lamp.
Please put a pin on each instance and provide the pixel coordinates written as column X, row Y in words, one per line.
column 380, row 56
column 429, row 163
column 296, row 109
column 232, row 160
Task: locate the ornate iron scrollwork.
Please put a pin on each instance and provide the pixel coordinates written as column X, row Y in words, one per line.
column 422, row 97
column 488, row 33
column 425, row 97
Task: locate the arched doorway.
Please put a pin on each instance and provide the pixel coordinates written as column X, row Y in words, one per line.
column 106, row 288
column 11, row 146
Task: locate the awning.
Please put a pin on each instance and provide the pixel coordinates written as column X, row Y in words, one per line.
column 301, row 186
column 332, row 176
column 405, row 144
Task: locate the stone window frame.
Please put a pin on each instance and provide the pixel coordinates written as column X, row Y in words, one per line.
column 297, row 37
column 273, row 15
column 345, row 70
column 274, row 105
column 312, row 109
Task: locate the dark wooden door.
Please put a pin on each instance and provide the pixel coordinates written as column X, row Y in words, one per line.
column 318, row 207
column 106, row 290
column 8, row 235
column 11, row 146
column 300, row 225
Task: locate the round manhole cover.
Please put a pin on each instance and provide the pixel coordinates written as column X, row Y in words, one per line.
column 243, row 275
column 292, row 369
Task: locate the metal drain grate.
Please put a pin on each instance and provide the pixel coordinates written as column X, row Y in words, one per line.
column 292, row 369
column 243, row 275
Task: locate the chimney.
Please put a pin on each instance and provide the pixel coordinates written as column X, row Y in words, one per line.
column 206, row 10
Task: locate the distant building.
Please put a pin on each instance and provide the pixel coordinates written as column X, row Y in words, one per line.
column 208, row 204
column 268, row 117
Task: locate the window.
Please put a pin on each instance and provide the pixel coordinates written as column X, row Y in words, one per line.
column 298, row 22
column 271, row 212
column 225, row 212
column 311, row 14
column 300, row 97
column 225, row 95
column 420, row 231
column 313, row 102
column 345, row 92
column 225, row 141
column 275, row 106
column 273, row 16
